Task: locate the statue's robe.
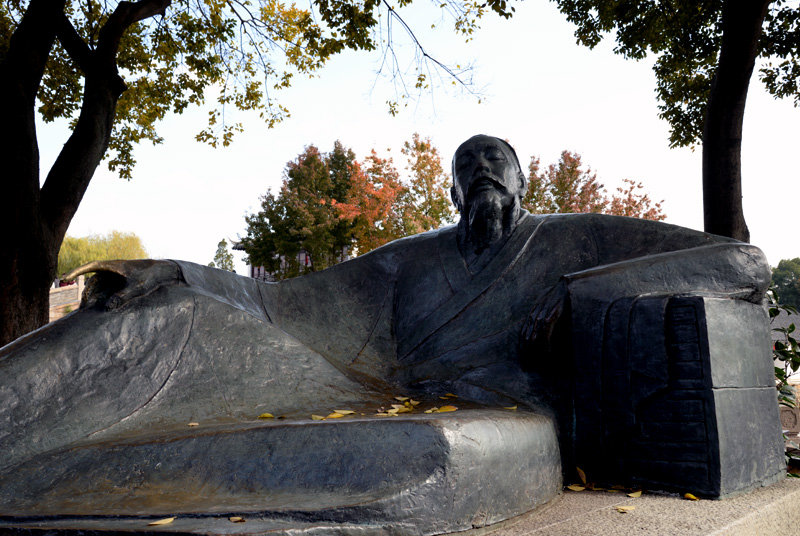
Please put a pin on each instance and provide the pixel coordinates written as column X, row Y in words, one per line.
column 224, row 348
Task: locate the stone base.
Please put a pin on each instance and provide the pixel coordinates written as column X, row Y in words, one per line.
column 420, row 474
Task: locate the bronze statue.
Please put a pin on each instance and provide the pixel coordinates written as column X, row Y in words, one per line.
column 633, row 349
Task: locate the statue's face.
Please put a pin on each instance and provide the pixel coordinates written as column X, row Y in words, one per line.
column 484, row 167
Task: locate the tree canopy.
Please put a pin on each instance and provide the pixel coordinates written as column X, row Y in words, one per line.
column 786, row 278
column 705, row 55
column 76, row 252
column 223, row 259
column 566, row 187
column 331, row 207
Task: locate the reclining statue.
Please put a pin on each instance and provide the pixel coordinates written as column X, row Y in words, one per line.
column 635, row 350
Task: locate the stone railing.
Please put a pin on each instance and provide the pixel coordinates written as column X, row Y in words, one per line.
column 64, row 300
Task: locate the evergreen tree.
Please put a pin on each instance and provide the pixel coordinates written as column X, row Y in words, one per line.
column 223, row 259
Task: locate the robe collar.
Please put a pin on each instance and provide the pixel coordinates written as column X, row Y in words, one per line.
column 467, row 287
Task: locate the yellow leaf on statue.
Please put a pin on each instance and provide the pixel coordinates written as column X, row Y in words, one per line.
column 236, row 519
column 690, row 497
column 635, row 494
column 317, row 418
column 344, row 411
column 334, row 416
column 266, row 416
column 447, row 408
column 165, row 521
column 512, row 408
column 575, row 487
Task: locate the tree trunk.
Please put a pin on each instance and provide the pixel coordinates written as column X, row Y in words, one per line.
column 722, row 132
column 26, row 251
column 36, row 218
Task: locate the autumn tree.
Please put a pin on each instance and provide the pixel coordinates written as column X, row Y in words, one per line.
column 77, row 251
column 113, row 69
column 786, row 278
column 428, row 196
column 303, row 216
column 374, row 204
column 223, row 259
column 566, row 187
column 705, row 57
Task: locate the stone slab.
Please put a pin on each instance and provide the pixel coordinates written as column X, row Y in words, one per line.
column 419, row 474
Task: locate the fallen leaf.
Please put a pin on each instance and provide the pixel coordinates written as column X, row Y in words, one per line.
column 335, row 415
column 635, row 494
column 618, row 486
column 451, row 395
column 575, row 487
column 512, row 408
column 401, row 398
column 165, row 521
column 381, row 414
column 398, row 406
column 613, row 490
column 432, row 410
column 266, row 416
column 414, row 402
column 625, row 509
column 194, row 424
column 317, row 418
column 447, row 408
column 236, row 519
column 405, row 410
column 392, row 411
column 344, row 411
column 690, row 497
column 581, row 475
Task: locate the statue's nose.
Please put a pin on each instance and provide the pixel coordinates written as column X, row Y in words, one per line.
column 481, row 166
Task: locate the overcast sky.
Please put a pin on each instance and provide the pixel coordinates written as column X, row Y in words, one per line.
column 541, row 91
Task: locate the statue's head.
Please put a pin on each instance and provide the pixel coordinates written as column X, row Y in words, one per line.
column 485, row 165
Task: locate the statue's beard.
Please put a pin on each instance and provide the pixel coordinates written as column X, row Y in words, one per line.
column 491, row 217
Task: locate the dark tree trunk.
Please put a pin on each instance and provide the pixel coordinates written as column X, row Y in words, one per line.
column 722, row 132
column 34, row 219
column 26, row 257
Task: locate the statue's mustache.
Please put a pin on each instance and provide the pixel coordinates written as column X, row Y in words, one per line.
column 484, row 180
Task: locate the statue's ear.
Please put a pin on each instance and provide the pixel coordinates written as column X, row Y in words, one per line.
column 454, row 198
column 523, row 184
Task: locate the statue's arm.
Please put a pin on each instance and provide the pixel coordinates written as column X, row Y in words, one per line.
column 733, row 270
column 119, row 282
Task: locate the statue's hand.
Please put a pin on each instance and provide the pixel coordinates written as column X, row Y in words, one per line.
column 116, row 283
column 539, row 331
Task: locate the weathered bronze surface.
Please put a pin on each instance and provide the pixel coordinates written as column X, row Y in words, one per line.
column 636, row 350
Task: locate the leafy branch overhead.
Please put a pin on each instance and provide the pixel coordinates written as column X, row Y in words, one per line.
column 170, row 53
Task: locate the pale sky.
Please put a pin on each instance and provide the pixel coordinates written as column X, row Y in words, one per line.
column 542, row 92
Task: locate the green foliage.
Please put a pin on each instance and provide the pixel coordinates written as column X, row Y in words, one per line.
column 76, row 252
column 249, row 50
column 331, row 207
column 303, row 216
column 686, row 37
column 429, row 201
column 566, row 187
column 786, row 280
column 223, row 259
